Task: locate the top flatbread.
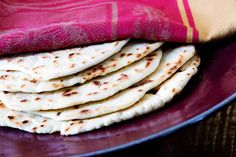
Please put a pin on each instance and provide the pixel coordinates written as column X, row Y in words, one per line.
column 93, row 90
column 49, row 65
column 16, row 81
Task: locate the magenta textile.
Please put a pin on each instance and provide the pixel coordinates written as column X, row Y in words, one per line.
column 37, row 25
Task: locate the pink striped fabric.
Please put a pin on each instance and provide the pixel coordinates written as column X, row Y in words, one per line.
column 38, row 25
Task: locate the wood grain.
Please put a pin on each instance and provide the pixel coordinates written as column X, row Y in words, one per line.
column 215, row 136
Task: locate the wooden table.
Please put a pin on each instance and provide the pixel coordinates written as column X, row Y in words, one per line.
column 215, row 136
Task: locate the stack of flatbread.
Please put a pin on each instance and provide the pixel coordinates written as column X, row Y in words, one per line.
column 81, row 89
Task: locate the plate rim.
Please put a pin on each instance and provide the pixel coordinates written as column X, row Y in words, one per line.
column 167, row 131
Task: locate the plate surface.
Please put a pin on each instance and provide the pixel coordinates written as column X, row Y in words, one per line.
column 212, row 88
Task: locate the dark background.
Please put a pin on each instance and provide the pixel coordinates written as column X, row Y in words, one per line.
column 212, row 137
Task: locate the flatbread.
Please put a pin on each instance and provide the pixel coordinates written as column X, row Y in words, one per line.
column 16, row 81
column 27, row 122
column 50, row 65
column 150, row 102
column 194, row 62
column 93, row 90
column 127, row 97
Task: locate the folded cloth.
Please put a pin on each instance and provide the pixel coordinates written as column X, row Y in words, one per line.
column 37, row 25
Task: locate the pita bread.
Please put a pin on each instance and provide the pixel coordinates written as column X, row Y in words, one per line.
column 150, row 102
column 16, row 81
column 194, row 62
column 125, row 98
column 50, row 65
column 93, row 90
column 27, row 122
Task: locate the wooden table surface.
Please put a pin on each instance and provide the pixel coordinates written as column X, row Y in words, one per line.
column 212, row 137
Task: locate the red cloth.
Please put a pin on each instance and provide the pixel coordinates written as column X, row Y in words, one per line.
column 36, row 25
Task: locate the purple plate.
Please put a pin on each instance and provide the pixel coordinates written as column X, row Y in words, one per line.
column 212, row 88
